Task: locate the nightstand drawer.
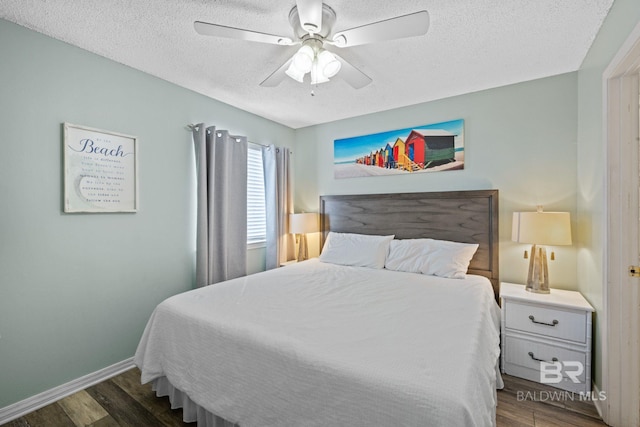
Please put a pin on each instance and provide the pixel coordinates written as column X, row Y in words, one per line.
column 522, row 359
column 552, row 322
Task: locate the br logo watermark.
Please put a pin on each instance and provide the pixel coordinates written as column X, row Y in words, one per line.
column 553, row 372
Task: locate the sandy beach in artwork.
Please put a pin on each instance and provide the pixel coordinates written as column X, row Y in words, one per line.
column 354, row 170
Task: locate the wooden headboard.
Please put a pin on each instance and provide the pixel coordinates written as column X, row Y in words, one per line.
column 460, row 216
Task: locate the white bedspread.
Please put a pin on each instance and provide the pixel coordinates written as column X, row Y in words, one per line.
column 316, row 344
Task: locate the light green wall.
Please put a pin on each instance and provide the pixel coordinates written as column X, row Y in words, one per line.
column 76, row 290
column 622, row 18
column 519, row 139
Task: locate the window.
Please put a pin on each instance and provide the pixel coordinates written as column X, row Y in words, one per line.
column 256, row 217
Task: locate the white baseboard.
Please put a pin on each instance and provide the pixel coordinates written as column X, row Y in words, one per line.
column 45, row 398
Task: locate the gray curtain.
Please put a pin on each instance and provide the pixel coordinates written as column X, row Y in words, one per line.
column 279, row 204
column 221, row 169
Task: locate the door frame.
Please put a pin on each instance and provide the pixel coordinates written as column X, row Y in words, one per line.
column 620, row 322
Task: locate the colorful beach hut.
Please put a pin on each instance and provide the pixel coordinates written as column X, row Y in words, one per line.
column 430, row 147
column 389, row 160
column 400, row 154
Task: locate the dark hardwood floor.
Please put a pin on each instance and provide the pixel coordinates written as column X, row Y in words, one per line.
column 525, row 403
column 122, row 401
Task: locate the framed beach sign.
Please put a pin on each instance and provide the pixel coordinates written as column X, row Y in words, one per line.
column 415, row 150
column 100, row 170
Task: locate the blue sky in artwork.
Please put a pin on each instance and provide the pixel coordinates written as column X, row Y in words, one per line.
column 346, row 150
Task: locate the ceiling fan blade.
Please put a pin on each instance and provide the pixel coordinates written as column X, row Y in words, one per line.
column 277, row 76
column 356, row 78
column 310, row 13
column 414, row 24
column 207, row 29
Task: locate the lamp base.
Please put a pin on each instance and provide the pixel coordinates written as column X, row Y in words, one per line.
column 538, row 277
column 303, row 253
column 537, row 291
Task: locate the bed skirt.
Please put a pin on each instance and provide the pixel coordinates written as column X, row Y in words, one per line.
column 191, row 412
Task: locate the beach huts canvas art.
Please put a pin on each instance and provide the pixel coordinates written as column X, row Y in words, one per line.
column 428, row 148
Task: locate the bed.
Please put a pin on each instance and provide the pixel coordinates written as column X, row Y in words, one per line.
column 323, row 344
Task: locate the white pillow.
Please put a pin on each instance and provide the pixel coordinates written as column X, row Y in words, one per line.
column 408, row 255
column 448, row 259
column 356, row 249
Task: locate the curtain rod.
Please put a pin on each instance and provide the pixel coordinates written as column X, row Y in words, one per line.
column 191, row 127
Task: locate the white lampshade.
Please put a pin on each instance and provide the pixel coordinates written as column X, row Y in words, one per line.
column 541, row 228
column 303, row 59
column 317, row 76
column 328, row 64
column 295, row 73
column 302, row 223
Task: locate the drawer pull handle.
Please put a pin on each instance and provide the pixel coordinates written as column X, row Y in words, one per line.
column 533, row 319
column 553, row 359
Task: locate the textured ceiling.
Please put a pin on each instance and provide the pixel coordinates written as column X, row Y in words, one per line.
column 471, row 45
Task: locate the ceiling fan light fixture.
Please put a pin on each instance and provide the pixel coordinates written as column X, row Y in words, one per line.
column 317, row 76
column 303, row 59
column 328, row 64
column 295, row 73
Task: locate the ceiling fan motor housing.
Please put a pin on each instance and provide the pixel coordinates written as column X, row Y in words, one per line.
column 328, row 19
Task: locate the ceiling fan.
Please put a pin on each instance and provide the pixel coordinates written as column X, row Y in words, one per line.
column 312, row 23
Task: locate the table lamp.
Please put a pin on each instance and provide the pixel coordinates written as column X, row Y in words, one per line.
column 540, row 228
column 301, row 224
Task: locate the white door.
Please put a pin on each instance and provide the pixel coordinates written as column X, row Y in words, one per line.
column 621, row 319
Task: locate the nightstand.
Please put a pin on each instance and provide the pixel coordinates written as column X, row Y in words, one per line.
column 284, row 264
column 551, row 328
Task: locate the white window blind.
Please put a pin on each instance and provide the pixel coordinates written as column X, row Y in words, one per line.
column 256, row 219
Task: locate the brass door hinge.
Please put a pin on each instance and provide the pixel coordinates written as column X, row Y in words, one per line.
column 634, row 270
